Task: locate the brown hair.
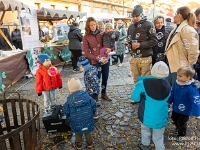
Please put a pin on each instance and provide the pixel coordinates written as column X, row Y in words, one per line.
column 197, row 11
column 187, row 71
column 187, row 15
column 87, row 25
column 158, row 17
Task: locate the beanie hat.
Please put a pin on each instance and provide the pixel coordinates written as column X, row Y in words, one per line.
column 108, row 25
column 160, row 70
column 43, row 57
column 168, row 20
column 82, row 61
column 137, row 10
column 74, row 84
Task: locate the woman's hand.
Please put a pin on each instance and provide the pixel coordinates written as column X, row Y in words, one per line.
column 135, row 45
column 108, row 50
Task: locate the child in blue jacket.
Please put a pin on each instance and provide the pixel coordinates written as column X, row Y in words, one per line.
column 185, row 99
column 153, row 92
column 79, row 110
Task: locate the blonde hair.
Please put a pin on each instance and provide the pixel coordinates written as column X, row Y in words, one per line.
column 187, row 15
column 187, row 71
column 108, row 25
column 101, row 25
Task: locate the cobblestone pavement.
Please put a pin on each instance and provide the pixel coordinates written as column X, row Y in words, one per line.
column 118, row 127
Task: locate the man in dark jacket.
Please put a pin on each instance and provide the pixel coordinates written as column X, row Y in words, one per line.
column 75, row 46
column 143, row 35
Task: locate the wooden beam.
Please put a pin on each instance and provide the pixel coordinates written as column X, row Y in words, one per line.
column 2, row 16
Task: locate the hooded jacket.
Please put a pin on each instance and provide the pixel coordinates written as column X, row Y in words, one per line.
column 46, row 82
column 79, row 110
column 183, row 50
column 185, row 99
column 153, row 108
column 75, row 38
column 16, row 35
column 143, row 31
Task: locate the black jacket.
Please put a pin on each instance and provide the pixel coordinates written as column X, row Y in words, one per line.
column 75, row 38
column 162, row 35
column 16, row 35
column 143, row 31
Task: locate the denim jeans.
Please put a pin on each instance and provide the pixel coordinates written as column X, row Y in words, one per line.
column 104, row 71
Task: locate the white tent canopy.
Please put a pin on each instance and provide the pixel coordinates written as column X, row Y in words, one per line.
column 12, row 5
column 45, row 14
column 152, row 14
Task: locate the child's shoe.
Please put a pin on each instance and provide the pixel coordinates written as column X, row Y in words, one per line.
column 78, row 145
column 143, row 147
column 89, row 144
column 96, row 116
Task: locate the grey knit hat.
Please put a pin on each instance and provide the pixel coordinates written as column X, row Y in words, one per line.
column 137, row 10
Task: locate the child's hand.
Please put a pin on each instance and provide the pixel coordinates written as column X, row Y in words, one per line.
column 91, row 90
column 108, row 50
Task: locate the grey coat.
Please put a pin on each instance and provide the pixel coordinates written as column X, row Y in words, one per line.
column 120, row 43
column 75, row 38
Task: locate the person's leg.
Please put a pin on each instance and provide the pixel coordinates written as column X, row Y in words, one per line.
column 182, row 124
column 145, row 66
column 53, row 97
column 74, row 65
column 105, row 74
column 158, row 138
column 20, row 45
column 146, row 135
column 88, row 137
column 78, row 53
column 175, row 118
column 121, row 58
column 78, row 140
column 171, row 78
column 46, row 98
column 134, row 69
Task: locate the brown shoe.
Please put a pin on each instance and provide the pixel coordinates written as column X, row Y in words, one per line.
column 105, row 97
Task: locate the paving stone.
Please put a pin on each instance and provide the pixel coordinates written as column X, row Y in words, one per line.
column 122, row 141
column 119, row 114
column 123, row 124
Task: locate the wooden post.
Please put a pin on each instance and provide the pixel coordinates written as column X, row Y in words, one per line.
column 2, row 16
column 6, row 39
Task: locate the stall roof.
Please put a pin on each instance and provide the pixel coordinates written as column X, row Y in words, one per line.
column 49, row 14
column 12, row 5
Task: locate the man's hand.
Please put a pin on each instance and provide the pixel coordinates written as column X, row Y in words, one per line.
column 135, row 45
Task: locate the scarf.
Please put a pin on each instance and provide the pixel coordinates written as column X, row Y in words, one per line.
column 185, row 83
column 94, row 32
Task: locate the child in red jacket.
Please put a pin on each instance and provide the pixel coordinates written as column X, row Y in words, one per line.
column 47, row 81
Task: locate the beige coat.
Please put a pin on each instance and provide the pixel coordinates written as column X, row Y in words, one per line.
column 183, row 50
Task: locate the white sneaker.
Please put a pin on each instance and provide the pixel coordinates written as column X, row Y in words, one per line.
column 120, row 65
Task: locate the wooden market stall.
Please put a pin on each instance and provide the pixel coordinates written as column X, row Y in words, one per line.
column 13, row 63
column 48, row 14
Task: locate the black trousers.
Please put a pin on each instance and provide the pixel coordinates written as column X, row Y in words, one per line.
column 18, row 45
column 121, row 58
column 75, row 55
column 180, row 122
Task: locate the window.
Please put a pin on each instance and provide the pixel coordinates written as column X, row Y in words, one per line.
column 37, row 5
column 53, row 6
